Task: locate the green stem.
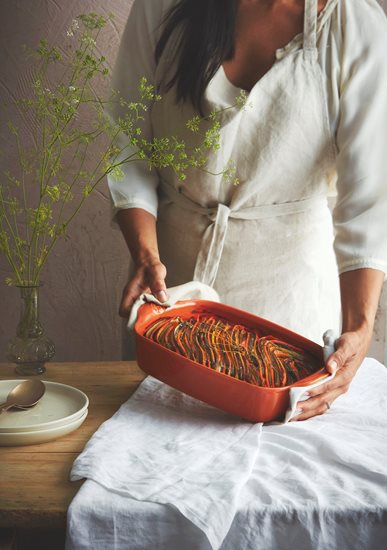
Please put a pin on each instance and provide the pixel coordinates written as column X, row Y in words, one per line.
column 14, row 268
column 41, row 170
column 8, row 255
column 47, row 150
column 20, row 155
column 58, row 132
column 81, row 134
column 5, row 217
column 77, row 71
column 67, row 222
column 71, row 186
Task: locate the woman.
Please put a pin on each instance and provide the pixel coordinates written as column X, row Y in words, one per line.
column 316, row 77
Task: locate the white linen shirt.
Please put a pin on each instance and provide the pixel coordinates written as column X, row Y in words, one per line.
column 352, row 47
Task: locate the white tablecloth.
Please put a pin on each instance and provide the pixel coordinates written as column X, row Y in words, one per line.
column 315, row 485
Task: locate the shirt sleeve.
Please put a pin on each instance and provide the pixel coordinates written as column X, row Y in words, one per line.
column 135, row 59
column 360, row 214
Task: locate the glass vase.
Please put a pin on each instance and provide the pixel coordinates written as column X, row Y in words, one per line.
column 31, row 348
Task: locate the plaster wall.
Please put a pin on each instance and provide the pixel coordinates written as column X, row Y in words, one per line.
column 85, row 275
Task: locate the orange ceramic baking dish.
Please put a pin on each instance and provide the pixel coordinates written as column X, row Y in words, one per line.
column 251, row 402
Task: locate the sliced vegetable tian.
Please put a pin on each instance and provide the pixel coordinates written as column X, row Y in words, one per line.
column 234, row 350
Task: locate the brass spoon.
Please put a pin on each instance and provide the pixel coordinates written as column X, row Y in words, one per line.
column 24, row 395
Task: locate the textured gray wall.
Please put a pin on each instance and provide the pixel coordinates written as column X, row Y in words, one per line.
column 85, row 275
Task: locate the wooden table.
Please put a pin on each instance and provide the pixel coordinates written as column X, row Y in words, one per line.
column 35, row 490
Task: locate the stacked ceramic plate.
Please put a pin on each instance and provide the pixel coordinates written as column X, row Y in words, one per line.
column 61, row 410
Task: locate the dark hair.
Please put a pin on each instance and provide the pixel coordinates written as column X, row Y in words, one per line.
column 203, row 37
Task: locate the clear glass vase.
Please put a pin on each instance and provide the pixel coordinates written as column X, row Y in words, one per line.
column 31, row 348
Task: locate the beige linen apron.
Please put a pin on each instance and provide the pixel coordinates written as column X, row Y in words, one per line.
column 265, row 245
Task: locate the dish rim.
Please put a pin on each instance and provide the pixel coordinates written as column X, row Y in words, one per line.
column 52, row 423
column 311, row 378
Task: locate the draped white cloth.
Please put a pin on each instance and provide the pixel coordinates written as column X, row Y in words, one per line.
column 320, row 484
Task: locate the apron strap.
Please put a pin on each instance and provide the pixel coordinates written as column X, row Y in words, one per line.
column 211, row 248
column 310, row 25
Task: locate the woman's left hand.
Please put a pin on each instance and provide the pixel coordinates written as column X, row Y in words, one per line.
column 350, row 352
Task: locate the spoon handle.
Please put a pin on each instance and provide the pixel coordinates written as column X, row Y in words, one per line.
column 5, row 406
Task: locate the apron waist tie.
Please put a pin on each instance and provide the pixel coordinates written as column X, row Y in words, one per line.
column 214, row 237
column 211, row 247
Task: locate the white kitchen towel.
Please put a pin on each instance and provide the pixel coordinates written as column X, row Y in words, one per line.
column 298, row 393
column 165, row 447
column 193, row 290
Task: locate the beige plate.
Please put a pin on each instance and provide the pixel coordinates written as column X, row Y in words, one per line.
column 59, row 406
column 40, row 436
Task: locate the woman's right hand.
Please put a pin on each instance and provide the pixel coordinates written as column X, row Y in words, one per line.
column 148, row 277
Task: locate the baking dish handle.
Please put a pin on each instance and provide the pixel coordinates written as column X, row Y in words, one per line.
column 146, row 313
